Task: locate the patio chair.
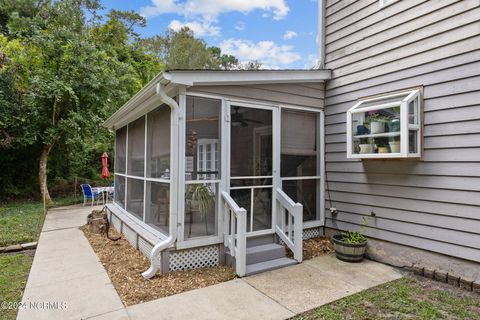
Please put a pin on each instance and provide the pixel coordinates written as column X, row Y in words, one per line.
column 110, row 194
column 88, row 193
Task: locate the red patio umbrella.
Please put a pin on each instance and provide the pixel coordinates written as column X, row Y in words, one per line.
column 105, row 172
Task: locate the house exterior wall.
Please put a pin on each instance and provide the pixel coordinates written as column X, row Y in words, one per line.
column 433, row 203
column 302, row 94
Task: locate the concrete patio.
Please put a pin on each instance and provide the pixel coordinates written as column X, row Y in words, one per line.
column 67, row 271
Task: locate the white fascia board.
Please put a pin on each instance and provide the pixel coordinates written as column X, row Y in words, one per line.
column 239, row 77
column 134, row 101
column 179, row 78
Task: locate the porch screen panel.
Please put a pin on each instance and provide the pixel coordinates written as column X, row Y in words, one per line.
column 158, row 143
column 120, row 191
column 136, row 147
column 299, row 144
column 202, row 143
column 158, row 205
column 120, row 150
column 299, row 160
column 135, row 197
column 305, row 192
column 202, row 163
column 251, row 141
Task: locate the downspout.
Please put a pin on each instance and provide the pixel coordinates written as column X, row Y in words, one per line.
column 321, row 35
column 155, row 256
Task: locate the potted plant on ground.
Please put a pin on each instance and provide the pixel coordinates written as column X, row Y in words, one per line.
column 377, row 122
column 350, row 246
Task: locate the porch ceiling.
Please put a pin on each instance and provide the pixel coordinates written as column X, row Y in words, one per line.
column 174, row 79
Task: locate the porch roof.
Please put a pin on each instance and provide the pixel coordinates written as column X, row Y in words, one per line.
column 173, row 79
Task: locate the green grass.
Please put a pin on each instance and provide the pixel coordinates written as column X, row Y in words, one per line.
column 406, row 298
column 21, row 222
column 13, row 277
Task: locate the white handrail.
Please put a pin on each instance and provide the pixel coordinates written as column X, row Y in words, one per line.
column 235, row 241
column 294, row 240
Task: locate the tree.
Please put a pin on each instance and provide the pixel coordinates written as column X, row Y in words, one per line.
column 63, row 71
column 223, row 61
column 74, row 78
column 252, row 65
column 181, row 50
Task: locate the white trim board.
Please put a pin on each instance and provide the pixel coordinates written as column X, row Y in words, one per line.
column 176, row 79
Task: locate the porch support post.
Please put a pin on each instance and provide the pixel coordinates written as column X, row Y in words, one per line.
column 322, row 167
column 182, row 101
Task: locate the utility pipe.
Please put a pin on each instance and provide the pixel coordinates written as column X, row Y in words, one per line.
column 155, row 255
column 321, row 35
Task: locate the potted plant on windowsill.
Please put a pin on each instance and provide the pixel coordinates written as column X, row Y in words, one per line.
column 377, row 122
column 394, row 144
column 381, row 146
column 365, row 147
column 350, row 246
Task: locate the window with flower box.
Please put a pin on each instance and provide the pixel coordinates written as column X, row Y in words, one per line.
column 387, row 126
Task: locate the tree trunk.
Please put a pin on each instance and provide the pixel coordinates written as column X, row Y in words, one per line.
column 42, row 172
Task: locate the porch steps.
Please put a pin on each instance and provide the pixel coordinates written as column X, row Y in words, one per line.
column 269, row 265
column 263, row 254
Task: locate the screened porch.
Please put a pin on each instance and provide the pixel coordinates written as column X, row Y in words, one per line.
column 243, row 148
column 197, row 169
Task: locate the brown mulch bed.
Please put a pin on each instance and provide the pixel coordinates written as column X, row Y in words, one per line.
column 315, row 247
column 125, row 265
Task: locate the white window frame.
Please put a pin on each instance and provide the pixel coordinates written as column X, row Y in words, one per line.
column 405, row 127
column 214, row 154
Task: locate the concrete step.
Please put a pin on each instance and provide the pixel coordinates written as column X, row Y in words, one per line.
column 260, row 240
column 265, row 252
column 269, row 265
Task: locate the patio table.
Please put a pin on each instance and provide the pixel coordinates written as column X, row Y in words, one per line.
column 103, row 191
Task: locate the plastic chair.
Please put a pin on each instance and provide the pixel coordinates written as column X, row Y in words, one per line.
column 88, row 193
column 111, row 194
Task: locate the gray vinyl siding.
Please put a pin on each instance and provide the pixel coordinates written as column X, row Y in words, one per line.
column 432, row 203
column 302, row 94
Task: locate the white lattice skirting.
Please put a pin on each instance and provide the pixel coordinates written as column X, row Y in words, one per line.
column 311, row 233
column 307, row 234
column 203, row 257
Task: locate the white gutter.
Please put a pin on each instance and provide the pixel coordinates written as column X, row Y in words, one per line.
column 321, row 34
column 155, row 255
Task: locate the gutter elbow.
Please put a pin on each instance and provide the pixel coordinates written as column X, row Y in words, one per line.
column 165, row 98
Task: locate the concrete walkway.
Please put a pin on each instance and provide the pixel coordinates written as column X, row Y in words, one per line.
column 66, row 271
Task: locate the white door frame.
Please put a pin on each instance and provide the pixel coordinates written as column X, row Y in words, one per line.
column 225, row 160
column 275, row 159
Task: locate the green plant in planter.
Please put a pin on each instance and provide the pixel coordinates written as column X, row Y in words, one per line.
column 374, row 116
column 200, row 195
column 356, row 236
column 380, row 142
